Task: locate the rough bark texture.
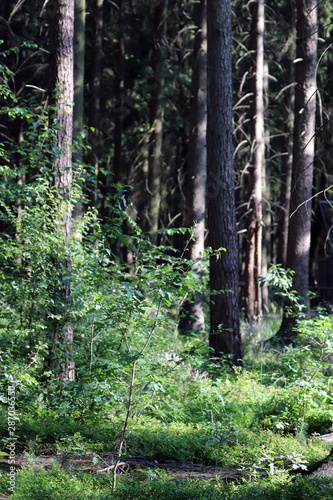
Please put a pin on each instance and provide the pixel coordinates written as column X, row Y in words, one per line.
column 62, row 66
column 303, row 152
column 252, row 290
column 196, row 164
column 224, row 309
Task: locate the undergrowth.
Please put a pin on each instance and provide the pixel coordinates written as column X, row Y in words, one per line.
column 54, row 485
column 259, row 422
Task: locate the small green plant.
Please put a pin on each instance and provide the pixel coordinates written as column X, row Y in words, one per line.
column 304, row 365
column 278, row 464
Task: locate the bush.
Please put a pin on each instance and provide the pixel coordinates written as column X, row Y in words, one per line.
column 54, row 485
column 59, row 485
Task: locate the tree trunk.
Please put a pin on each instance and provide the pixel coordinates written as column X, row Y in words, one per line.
column 62, row 71
column 299, row 233
column 287, row 158
column 156, row 115
column 252, row 290
column 195, row 180
column 224, row 308
column 266, row 260
column 95, row 93
column 267, row 247
column 120, row 176
column 79, row 51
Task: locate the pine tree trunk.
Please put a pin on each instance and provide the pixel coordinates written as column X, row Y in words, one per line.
column 267, row 229
column 304, row 145
column 287, row 158
column 195, row 180
column 252, row 290
column 95, row 93
column 120, row 176
column 79, row 51
column 156, row 116
column 224, row 308
column 299, row 233
column 62, row 74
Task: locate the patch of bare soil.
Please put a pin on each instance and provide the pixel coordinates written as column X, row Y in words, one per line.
column 139, row 465
column 131, row 466
column 325, row 469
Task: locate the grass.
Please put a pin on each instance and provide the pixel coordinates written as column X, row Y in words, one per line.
column 257, row 422
column 61, row 485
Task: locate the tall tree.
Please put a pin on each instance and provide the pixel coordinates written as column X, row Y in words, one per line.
column 79, row 51
column 299, row 233
column 195, row 179
column 288, row 123
column 95, row 92
column 224, row 308
column 254, row 221
column 156, row 114
column 62, row 80
column 120, row 175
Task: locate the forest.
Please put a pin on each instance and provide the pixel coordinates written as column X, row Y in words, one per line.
column 166, row 250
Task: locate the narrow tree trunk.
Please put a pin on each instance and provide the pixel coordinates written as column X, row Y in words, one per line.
column 195, row 180
column 252, row 290
column 79, row 51
column 120, row 176
column 95, row 92
column 224, row 308
column 299, row 233
column 21, row 182
column 156, row 115
column 120, row 171
column 267, row 251
column 286, row 175
column 62, row 68
column 287, row 158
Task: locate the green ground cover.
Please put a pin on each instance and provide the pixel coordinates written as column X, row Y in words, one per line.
column 259, row 423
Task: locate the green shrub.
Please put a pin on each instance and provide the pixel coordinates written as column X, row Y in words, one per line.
column 319, row 421
column 183, row 489
column 283, row 411
column 54, row 485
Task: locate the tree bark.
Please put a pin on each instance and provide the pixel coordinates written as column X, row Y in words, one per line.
column 62, row 71
column 79, row 51
column 156, row 115
column 224, row 308
column 267, row 227
column 195, row 179
column 95, row 93
column 287, row 158
column 120, row 176
column 252, row 292
column 299, row 233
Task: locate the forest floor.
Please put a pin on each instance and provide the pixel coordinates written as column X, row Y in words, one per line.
column 131, row 466
column 325, row 469
column 139, row 465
